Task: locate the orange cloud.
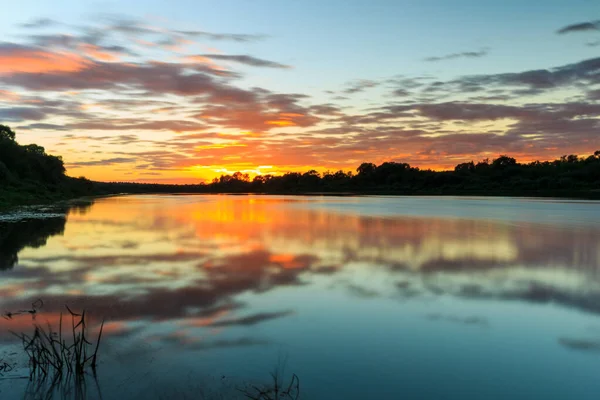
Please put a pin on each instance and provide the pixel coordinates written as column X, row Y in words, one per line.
column 8, row 95
column 281, row 122
column 205, row 61
column 220, row 146
column 97, row 53
column 25, row 60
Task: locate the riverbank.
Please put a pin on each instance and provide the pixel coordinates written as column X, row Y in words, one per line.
column 33, row 193
column 12, row 198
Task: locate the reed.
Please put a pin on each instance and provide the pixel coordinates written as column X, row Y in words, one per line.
column 275, row 391
column 56, row 355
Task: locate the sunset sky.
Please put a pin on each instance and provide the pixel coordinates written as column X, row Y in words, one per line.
column 183, row 91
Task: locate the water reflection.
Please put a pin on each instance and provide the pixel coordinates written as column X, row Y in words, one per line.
column 159, row 259
column 189, row 272
column 14, row 237
column 32, row 229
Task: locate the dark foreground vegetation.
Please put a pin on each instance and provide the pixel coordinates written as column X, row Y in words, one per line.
column 30, row 176
column 62, row 363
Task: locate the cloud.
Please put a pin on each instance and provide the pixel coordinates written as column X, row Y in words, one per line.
column 593, row 94
column 130, row 124
column 267, row 111
column 484, row 111
column 105, row 162
column 39, row 23
column 102, row 69
column 17, row 58
column 63, row 41
column 326, row 109
column 138, row 28
column 454, row 56
column 584, row 72
column 43, row 126
column 235, row 37
column 18, row 114
column 553, row 78
column 153, row 77
column 246, row 60
column 548, row 121
column 80, row 45
column 360, row 86
column 36, row 108
column 132, row 26
column 580, row 27
column 401, row 92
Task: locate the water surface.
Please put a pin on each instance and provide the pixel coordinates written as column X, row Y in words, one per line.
column 361, row 297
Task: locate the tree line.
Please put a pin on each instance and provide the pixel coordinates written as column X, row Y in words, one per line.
column 28, row 174
column 503, row 175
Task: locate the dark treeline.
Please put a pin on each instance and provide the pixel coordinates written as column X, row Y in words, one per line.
column 29, row 175
column 504, row 175
column 568, row 176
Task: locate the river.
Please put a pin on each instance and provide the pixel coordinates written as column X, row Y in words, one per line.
column 359, row 297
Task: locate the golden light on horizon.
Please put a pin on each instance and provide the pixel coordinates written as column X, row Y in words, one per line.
column 281, row 122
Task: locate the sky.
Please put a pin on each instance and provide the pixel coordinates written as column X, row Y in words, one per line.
column 184, row 91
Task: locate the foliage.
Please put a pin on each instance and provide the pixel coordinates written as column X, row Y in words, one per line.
column 29, row 175
column 568, row 176
column 27, row 163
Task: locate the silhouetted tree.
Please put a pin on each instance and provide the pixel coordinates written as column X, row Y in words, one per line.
column 6, row 133
column 504, row 161
column 465, row 167
column 29, row 169
column 366, row 169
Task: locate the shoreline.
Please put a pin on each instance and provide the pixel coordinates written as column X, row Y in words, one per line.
column 24, row 201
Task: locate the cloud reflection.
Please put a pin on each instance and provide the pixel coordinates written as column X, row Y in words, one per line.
column 579, row 344
column 32, row 229
column 189, row 260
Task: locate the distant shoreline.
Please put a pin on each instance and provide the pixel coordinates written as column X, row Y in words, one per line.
column 28, row 201
column 30, row 176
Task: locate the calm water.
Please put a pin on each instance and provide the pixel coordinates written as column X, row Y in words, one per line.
column 361, row 297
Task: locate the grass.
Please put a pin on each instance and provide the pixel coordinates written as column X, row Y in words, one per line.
column 61, row 361
column 58, row 358
column 274, row 391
